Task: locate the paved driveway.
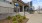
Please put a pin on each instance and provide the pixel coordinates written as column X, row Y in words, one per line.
column 35, row 18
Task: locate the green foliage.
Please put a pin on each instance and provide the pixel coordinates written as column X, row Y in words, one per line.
column 14, row 18
column 18, row 15
column 18, row 18
column 14, row 22
column 8, row 17
column 24, row 17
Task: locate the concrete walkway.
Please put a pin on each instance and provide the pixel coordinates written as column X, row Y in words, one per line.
column 34, row 18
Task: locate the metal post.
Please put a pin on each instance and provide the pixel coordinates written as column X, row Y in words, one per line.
column 16, row 4
column 16, row 10
column 19, row 9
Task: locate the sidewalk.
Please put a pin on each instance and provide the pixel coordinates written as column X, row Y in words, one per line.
column 35, row 18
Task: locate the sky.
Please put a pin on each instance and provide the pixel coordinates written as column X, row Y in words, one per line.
column 35, row 3
column 26, row 1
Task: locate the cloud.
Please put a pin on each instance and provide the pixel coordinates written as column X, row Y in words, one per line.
column 38, row 0
column 36, row 6
column 26, row 1
column 37, row 3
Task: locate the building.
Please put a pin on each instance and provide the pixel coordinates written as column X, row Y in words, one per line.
column 30, row 3
column 6, row 6
column 22, row 5
column 6, row 9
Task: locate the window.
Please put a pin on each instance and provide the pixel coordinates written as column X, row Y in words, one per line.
column 10, row 3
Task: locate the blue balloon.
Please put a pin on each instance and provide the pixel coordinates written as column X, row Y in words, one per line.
column 17, row 4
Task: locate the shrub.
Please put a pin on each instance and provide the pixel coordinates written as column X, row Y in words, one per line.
column 20, row 20
column 8, row 17
column 14, row 22
column 18, row 16
column 14, row 18
column 24, row 17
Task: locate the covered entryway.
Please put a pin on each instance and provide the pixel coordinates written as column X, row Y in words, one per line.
column 21, row 8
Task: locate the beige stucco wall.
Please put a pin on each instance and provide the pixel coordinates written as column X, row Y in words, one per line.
column 6, row 7
column 6, row 10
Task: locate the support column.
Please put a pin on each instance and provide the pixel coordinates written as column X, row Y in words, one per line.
column 23, row 11
column 19, row 9
column 23, row 8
